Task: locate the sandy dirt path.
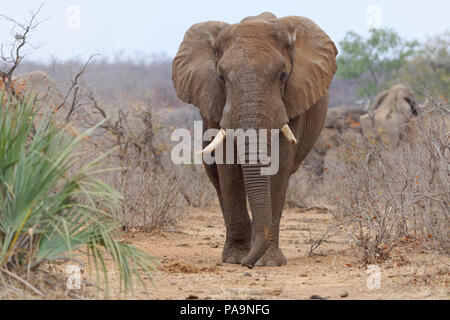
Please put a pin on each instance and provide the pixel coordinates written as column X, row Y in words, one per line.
column 190, row 265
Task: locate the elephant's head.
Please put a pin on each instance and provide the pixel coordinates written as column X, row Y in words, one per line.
column 257, row 74
column 390, row 113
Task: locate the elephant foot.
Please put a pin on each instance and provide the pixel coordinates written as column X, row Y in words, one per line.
column 234, row 254
column 273, row 257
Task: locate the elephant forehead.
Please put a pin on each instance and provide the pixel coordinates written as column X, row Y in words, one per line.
column 260, row 33
column 240, row 59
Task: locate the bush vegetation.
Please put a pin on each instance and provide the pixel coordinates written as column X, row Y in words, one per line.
column 48, row 212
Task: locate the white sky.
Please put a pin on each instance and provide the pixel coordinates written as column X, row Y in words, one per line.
column 157, row 27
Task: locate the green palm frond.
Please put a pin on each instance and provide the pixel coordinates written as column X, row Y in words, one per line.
column 46, row 202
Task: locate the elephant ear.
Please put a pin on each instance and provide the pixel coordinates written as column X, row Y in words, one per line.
column 194, row 70
column 379, row 100
column 313, row 64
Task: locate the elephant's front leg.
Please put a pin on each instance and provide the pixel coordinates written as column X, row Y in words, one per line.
column 279, row 185
column 235, row 214
column 274, row 256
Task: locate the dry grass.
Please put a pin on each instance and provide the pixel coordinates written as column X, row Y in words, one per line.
column 41, row 284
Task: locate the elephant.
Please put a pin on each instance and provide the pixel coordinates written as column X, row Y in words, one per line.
column 390, row 114
column 261, row 73
column 339, row 120
column 48, row 93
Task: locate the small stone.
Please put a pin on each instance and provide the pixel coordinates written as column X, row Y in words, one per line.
column 247, row 274
column 192, row 297
column 316, row 297
column 344, row 294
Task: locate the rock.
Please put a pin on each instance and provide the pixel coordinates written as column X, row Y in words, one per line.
column 192, row 297
column 316, row 297
column 344, row 294
column 270, row 292
column 183, row 245
column 246, row 274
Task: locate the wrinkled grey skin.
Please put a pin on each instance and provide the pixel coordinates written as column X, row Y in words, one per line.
column 338, row 120
column 234, row 75
column 389, row 114
column 387, row 117
column 48, row 93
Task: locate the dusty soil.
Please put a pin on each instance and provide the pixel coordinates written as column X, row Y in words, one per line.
column 190, row 266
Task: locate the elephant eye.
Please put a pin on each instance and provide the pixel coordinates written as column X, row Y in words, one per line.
column 221, row 78
column 283, row 76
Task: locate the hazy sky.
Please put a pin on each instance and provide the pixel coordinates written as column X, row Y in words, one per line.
column 82, row 27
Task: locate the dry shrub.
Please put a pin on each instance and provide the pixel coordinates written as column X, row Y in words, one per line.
column 156, row 192
column 151, row 200
column 195, row 186
column 303, row 189
column 388, row 194
column 38, row 285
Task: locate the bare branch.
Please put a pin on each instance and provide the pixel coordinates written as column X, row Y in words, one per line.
column 16, row 54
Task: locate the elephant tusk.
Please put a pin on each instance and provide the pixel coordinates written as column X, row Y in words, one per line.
column 288, row 134
column 215, row 143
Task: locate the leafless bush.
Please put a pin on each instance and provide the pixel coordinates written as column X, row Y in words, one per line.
column 196, row 188
column 315, row 239
column 389, row 194
column 12, row 54
column 151, row 200
column 303, row 189
column 156, row 193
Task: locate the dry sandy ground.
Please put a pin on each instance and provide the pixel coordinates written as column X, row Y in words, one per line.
column 190, row 265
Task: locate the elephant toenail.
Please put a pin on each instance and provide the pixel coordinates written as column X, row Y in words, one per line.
column 271, row 263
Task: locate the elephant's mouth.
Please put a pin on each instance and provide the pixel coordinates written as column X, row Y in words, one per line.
column 221, row 135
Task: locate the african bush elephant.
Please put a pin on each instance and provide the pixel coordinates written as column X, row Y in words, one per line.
column 47, row 91
column 338, row 120
column 262, row 73
column 389, row 114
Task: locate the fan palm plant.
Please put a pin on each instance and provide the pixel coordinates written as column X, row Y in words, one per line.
column 48, row 210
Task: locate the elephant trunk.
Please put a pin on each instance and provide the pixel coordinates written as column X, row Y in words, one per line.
column 259, row 198
column 258, row 190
